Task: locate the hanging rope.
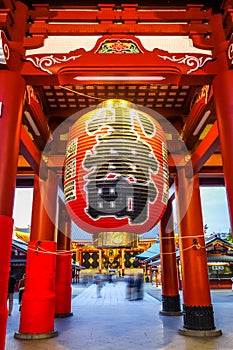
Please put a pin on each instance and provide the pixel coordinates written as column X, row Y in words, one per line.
column 38, row 249
column 81, row 94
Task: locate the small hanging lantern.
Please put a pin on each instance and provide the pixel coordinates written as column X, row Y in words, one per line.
column 116, row 169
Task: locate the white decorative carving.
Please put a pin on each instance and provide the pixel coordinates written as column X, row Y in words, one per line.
column 191, row 61
column 49, row 61
column 4, row 49
column 230, row 53
column 204, row 92
column 2, row 57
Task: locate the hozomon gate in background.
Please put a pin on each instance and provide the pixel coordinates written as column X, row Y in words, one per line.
column 59, row 62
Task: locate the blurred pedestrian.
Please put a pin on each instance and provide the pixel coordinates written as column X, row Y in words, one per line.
column 130, row 287
column 21, row 290
column 99, row 285
column 11, row 290
column 138, row 285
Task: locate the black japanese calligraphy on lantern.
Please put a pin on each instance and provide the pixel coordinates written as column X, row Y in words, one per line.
column 120, row 165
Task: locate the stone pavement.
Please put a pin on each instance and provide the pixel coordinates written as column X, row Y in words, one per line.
column 112, row 322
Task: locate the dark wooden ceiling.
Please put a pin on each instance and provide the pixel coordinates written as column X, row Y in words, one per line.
column 171, row 101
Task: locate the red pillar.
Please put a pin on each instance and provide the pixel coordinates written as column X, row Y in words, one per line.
column 122, row 262
column 170, row 290
column 12, row 89
column 63, row 265
column 38, row 302
column 197, row 307
column 100, row 261
column 223, row 97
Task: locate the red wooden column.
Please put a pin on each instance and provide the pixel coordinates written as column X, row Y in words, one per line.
column 100, row 260
column 63, row 264
column 122, row 262
column 170, row 290
column 223, row 97
column 12, row 89
column 197, row 307
column 38, row 303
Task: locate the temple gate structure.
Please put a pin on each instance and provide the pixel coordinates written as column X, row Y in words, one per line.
column 58, row 60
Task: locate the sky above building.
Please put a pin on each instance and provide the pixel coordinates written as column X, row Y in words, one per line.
column 214, row 208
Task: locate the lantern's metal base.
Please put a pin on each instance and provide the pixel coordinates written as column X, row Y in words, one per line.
column 64, row 315
column 27, row 336
column 198, row 333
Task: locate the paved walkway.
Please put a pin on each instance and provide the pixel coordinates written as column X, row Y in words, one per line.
column 112, row 322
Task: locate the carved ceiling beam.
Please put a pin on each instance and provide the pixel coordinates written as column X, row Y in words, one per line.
column 127, row 19
column 29, row 151
column 129, row 13
column 205, row 149
column 41, row 27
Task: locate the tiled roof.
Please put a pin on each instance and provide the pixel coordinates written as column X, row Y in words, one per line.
column 220, row 258
column 152, row 234
column 23, row 229
column 216, row 238
column 20, row 245
column 151, row 252
column 80, row 235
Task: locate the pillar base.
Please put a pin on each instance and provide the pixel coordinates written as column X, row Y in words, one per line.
column 64, row 315
column 171, row 313
column 26, row 336
column 171, row 305
column 196, row 333
column 199, row 318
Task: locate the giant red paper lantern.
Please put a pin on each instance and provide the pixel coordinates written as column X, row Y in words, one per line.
column 116, row 171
